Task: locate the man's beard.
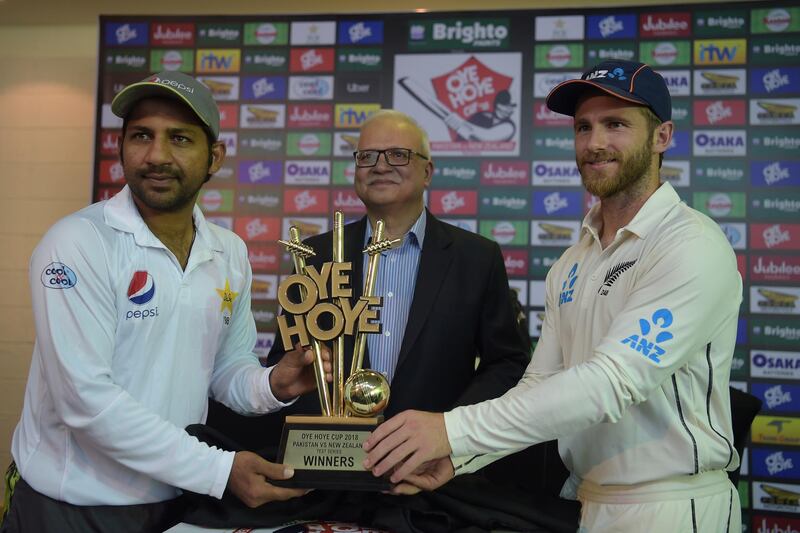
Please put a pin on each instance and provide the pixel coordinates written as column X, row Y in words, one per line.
column 181, row 195
column 632, row 168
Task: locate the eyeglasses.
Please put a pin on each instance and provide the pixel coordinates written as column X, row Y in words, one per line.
column 396, row 157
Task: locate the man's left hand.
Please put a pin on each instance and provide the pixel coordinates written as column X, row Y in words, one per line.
column 294, row 373
column 429, row 476
column 404, row 442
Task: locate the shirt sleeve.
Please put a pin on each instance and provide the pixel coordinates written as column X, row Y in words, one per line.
column 75, row 333
column 686, row 294
column 239, row 381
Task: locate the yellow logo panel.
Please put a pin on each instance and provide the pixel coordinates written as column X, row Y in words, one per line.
column 218, row 60
column 353, row 115
column 720, row 51
column 777, row 430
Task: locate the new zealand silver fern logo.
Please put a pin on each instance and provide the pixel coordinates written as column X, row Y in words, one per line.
column 613, row 275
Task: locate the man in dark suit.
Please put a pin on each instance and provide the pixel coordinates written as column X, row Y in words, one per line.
column 449, row 334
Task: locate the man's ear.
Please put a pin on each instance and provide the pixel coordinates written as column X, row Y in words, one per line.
column 428, row 173
column 662, row 136
column 218, row 151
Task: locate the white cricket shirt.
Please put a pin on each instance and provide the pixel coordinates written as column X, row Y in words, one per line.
column 128, row 348
column 631, row 371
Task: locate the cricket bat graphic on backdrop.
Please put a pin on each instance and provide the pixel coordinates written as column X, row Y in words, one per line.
column 466, row 130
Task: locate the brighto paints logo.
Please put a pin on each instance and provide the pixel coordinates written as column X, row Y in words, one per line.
column 141, row 290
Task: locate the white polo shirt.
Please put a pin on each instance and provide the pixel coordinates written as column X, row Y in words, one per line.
column 631, row 371
column 128, row 348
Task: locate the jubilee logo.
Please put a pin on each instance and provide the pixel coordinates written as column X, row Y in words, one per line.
column 310, row 116
column 347, row 201
column 264, row 258
column 665, row 24
column 504, row 173
column 544, row 116
column 516, row 263
column 775, row 268
column 173, row 34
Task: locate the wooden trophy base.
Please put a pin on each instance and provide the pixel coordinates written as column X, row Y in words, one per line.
column 326, row 453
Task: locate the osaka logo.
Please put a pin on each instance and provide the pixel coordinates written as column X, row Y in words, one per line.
column 142, row 287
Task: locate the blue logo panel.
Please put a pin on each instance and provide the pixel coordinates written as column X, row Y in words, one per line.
column 741, row 331
column 769, row 462
column 556, row 203
column 681, row 144
column 778, row 397
column 775, row 173
column 264, row 88
column 614, row 26
column 772, row 81
column 127, row 34
column 361, row 32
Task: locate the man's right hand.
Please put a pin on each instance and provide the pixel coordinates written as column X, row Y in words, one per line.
column 250, row 480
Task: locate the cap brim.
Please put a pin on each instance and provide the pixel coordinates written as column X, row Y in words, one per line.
column 564, row 96
column 127, row 97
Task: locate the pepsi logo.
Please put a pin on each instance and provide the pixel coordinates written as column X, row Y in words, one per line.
column 142, row 287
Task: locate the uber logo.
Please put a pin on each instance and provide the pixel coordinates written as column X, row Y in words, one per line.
column 358, row 88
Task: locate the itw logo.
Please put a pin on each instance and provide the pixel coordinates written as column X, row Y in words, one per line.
column 567, row 287
column 662, row 318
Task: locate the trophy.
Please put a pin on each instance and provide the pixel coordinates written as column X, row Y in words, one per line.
column 326, row 450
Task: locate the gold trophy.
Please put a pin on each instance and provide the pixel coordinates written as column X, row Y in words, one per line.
column 326, row 451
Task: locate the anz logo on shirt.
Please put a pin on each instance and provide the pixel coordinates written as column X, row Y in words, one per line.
column 657, row 326
column 567, row 288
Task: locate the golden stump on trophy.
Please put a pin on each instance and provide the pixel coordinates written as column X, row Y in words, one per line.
column 327, row 451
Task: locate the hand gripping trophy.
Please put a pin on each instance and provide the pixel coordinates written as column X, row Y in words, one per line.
column 325, row 450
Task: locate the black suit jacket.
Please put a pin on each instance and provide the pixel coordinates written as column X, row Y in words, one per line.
column 461, row 309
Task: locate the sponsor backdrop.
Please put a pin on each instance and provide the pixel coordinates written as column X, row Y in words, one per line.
column 294, row 90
